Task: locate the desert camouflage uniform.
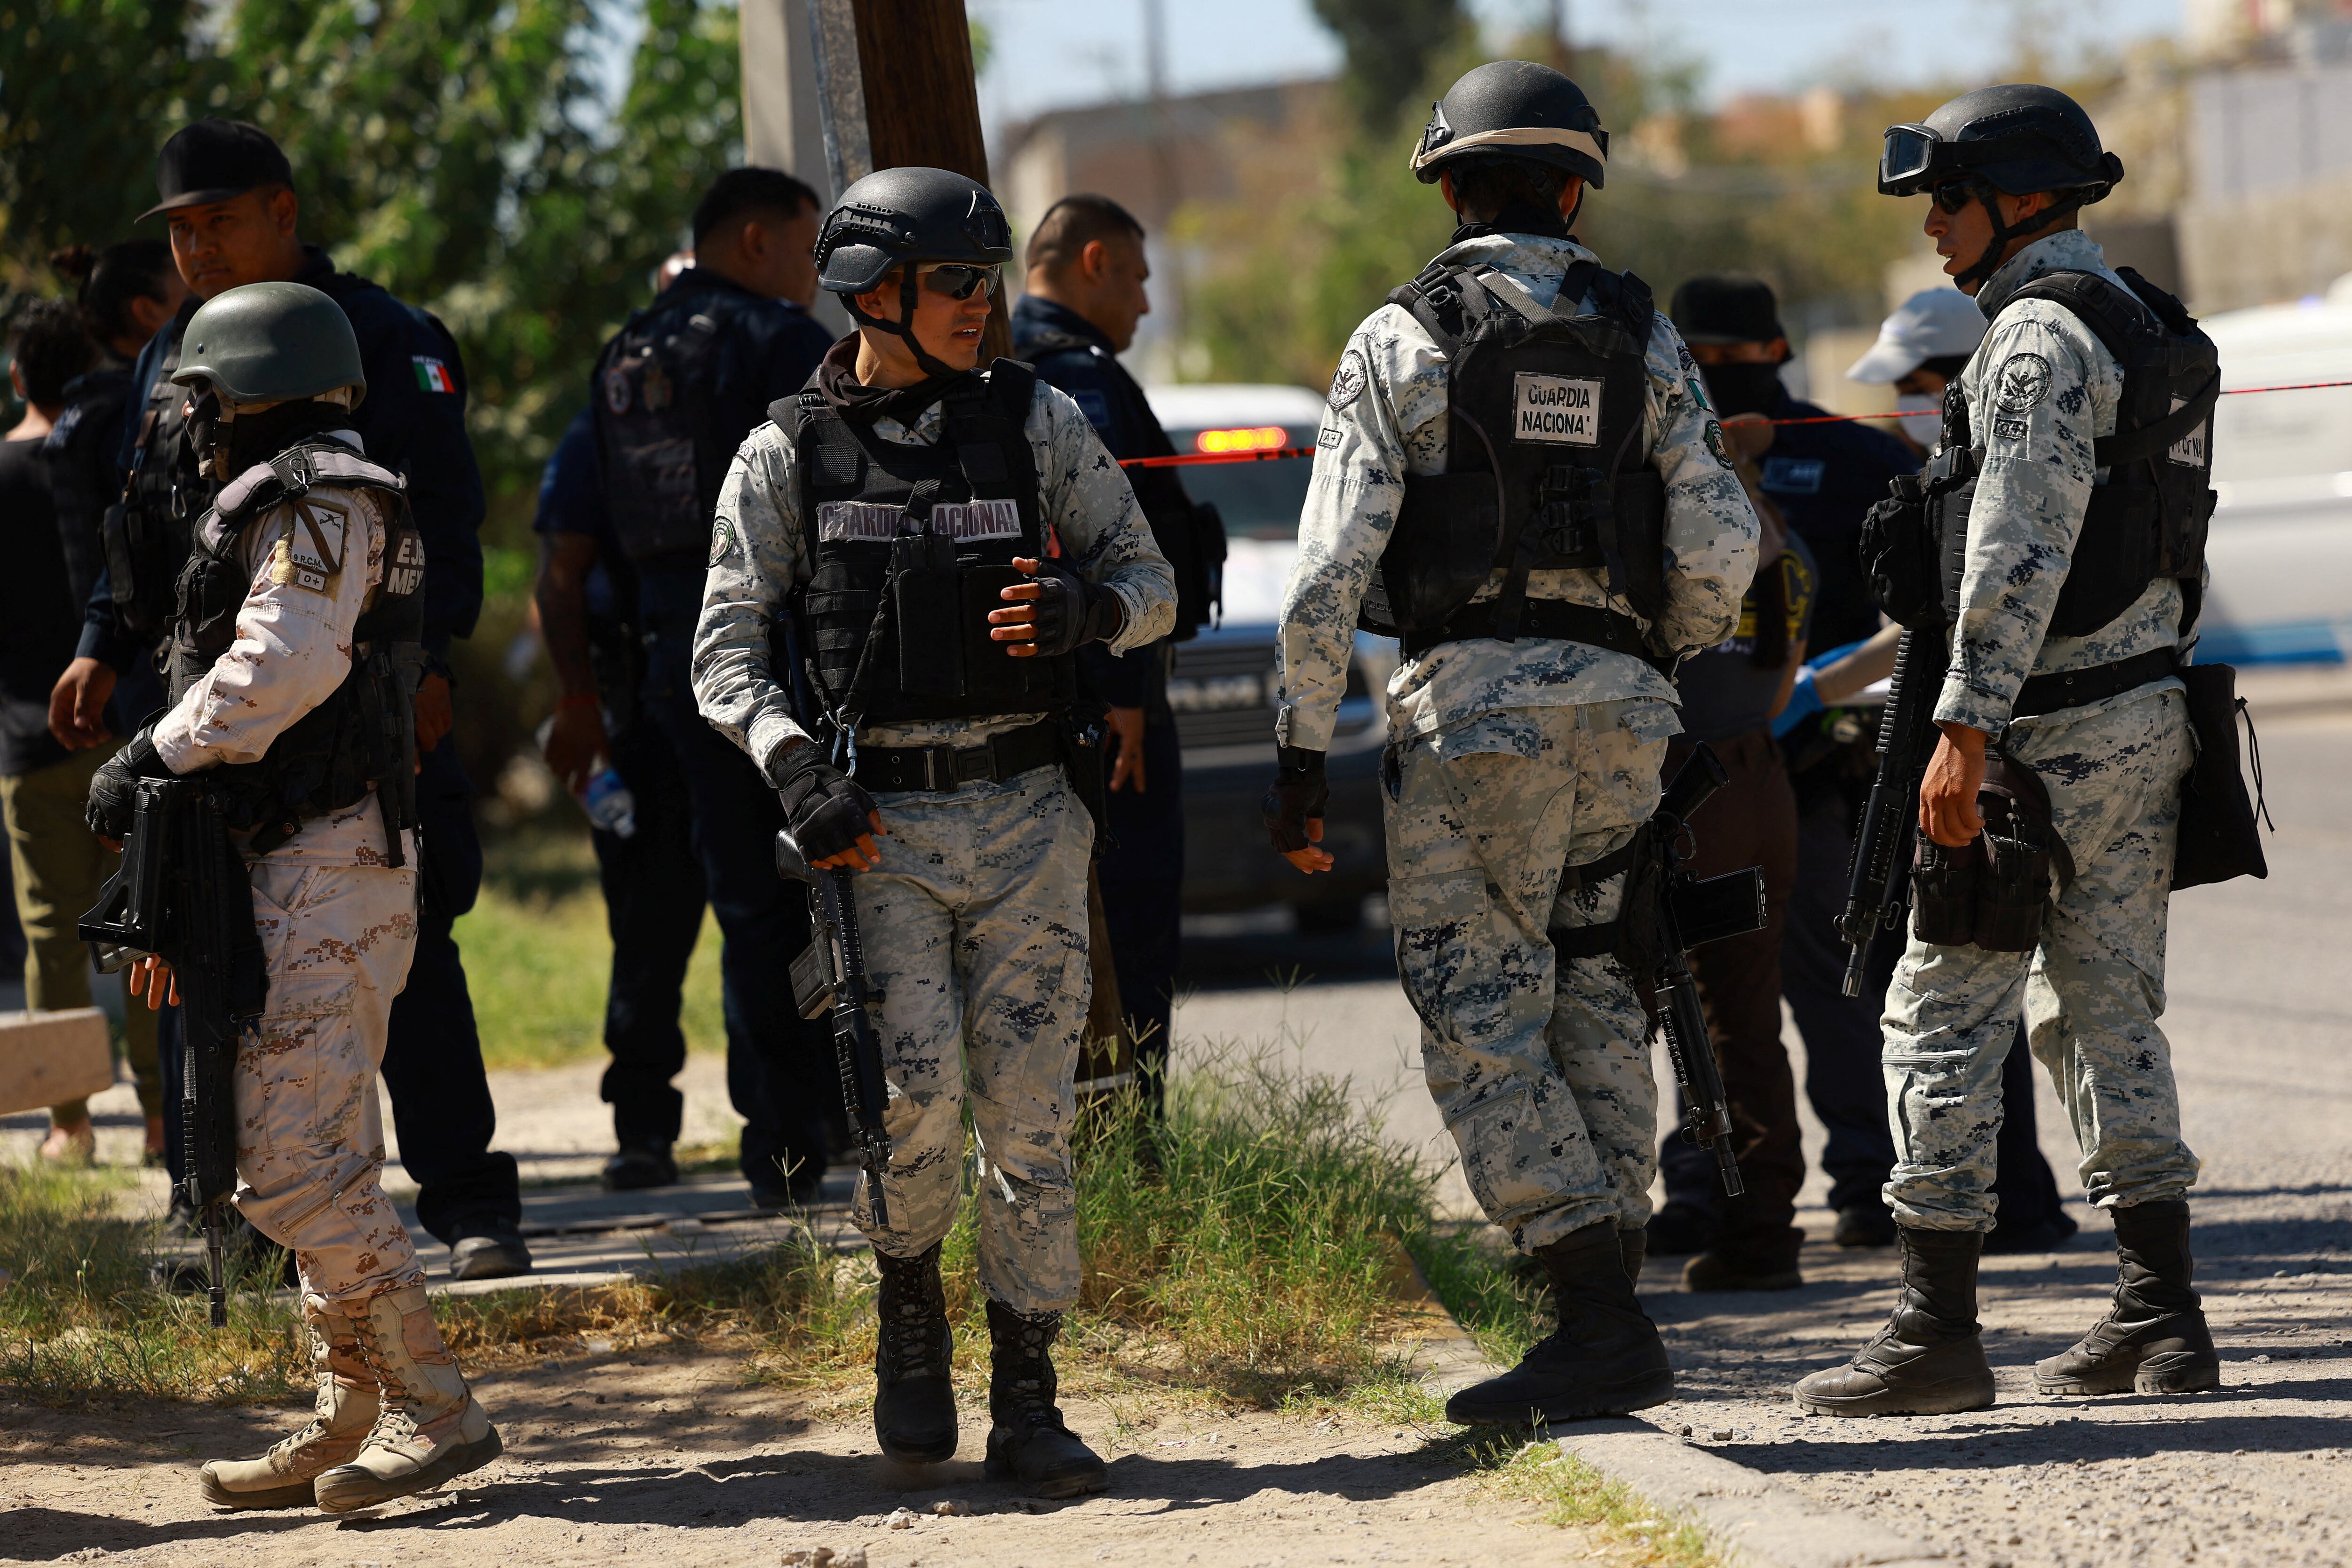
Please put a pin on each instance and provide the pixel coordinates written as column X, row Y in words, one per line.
column 2040, row 388
column 338, row 925
column 975, row 923
column 1508, row 763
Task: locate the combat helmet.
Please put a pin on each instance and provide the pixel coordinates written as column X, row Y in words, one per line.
column 271, row 342
column 2016, row 139
column 1516, row 108
column 900, row 218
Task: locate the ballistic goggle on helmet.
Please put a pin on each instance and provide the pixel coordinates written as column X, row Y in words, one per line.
column 2017, row 138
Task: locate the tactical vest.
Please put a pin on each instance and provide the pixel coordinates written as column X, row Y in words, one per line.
column 1545, row 465
column 146, row 532
column 655, row 426
column 1191, row 534
column 2149, row 520
column 909, row 546
column 364, row 735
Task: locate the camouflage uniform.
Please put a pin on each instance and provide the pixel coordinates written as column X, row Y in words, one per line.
column 1508, row 763
column 2039, row 389
column 338, row 926
column 975, row 925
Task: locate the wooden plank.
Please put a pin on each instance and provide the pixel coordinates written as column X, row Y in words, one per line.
column 49, row 1058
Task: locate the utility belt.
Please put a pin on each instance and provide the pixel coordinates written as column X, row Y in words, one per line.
column 2080, row 688
column 1550, row 618
column 937, row 769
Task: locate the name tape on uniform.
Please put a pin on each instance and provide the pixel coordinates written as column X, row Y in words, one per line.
column 1563, row 410
column 963, row 521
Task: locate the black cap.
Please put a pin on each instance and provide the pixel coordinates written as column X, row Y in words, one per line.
column 1725, row 308
column 213, row 159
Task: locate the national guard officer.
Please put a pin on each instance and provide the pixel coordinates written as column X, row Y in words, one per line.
column 674, row 394
column 1518, row 403
column 1084, row 296
column 2070, row 492
column 228, row 194
column 296, row 626
column 870, row 525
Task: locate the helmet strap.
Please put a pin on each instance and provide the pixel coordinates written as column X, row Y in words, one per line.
column 904, row 326
column 1986, row 265
column 1518, row 218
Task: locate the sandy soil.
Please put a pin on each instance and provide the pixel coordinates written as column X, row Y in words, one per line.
column 671, row 1461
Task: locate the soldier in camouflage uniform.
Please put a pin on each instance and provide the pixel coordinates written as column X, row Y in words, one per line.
column 899, row 471
column 2096, row 711
column 1518, row 768
column 303, row 591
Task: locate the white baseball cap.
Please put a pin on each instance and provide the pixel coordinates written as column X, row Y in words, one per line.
column 1933, row 324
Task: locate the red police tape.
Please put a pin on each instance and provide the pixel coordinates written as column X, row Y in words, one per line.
column 1189, row 459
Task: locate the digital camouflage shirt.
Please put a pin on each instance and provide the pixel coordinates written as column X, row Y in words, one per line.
column 1386, row 419
column 759, row 556
column 2040, row 389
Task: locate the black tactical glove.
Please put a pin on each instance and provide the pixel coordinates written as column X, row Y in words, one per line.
column 113, row 789
column 1297, row 797
column 826, row 809
column 1070, row 611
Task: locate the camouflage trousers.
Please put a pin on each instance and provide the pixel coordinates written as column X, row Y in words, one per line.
column 1541, row 1071
column 310, row 1140
column 975, row 935
column 2091, row 992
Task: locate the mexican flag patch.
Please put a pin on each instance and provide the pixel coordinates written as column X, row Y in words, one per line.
column 432, row 375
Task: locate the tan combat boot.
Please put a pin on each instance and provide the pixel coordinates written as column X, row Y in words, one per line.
column 430, row 1430
column 340, row 1423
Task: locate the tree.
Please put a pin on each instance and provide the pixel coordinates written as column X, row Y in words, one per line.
column 1389, row 46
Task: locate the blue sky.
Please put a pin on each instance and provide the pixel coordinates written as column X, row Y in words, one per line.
column 1053, row 53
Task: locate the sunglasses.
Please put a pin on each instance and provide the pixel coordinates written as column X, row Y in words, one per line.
column 957, row 281
column 1951, row 195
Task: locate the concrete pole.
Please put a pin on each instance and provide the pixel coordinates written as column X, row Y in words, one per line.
column 783, row 124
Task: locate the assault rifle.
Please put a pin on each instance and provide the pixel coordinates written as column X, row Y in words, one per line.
column 1879, row 890
column 183, row 894
column 1665, row 912
column 829, row 975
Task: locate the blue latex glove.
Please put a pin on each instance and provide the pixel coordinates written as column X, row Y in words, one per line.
column 1804, row 701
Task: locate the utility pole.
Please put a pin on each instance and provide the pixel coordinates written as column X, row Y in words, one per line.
column 896, row 87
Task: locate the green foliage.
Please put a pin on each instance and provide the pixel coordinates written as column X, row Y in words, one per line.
column 1573, row 1493
column 452, row 150
column 1389, row 45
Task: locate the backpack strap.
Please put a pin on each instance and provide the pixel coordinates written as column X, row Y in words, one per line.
column 1435, row 298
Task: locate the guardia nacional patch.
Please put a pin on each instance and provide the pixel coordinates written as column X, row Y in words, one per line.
column 1715, row 445
column 2021, row 383
column 1348, row 383
column 722, row 539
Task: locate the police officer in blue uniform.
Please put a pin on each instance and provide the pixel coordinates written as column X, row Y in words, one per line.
column 674, row 395
column 1085, row 293
column 227, row 191
column 646, row 864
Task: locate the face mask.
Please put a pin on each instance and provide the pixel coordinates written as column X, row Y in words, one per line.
column 1742, row 389
column 1921, row 417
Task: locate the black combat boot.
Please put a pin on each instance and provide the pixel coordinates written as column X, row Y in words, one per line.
column 2154, row 1339
column 1028, row 1442
column 914, row 1392
column 1928, row 1359
column 1605, row 1357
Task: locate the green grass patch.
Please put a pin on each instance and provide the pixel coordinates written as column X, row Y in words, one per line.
column 539, row 960
column 1573, row 1494
column 79, row 1313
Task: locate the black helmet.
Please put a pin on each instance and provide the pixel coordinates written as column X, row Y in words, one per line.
column 1514, row 109
column 2019, row 138
column 2016, row 139
column 897, row 216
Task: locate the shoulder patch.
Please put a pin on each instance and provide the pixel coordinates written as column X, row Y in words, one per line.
column 722, row 540
column 1348, row 383
column 433, row 375
column 314, row 544
column 1094, row 405
column 2022, row 382
column 1794, row 475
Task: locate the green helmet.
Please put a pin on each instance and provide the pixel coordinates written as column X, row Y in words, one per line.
column 267, row 342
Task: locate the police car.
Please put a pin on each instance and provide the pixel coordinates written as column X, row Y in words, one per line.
column 1224, row 686
column 2281, row 542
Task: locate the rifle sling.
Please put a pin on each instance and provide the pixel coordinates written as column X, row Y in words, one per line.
column 1573, row 942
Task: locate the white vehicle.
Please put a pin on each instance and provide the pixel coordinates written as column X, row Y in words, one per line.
column 2280, row 545
column 1223, row 687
